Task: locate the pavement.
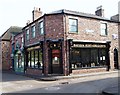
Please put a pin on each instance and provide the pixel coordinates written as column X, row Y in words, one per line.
column 113, row 90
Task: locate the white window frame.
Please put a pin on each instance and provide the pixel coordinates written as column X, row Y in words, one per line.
column 41, row 27
column 27, row 34
column 103, row 29
column 33, row 31
column 72, row 25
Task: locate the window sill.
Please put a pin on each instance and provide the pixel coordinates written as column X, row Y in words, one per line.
column 103, row 35
column 73, row 32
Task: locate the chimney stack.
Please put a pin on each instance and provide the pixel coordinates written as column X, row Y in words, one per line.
column 36, row 13
column 99, row 11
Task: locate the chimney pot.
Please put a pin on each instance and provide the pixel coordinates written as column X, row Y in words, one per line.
column 28, row 22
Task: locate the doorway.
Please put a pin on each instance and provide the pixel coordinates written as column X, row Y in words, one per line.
column 116, row 59
column 56, row 64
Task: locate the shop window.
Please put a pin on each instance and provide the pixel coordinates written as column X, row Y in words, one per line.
column 88, row 58
column 33, row 31
column 104, row 29
column 41, row 28
column 35, row 59
column 73, row 25
column 27, row 34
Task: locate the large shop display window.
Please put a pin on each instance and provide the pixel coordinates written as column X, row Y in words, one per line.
column 35, row 59
column 82, row 58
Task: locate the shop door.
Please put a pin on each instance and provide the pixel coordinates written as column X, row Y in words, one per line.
column 19, row 63
column 56, row 62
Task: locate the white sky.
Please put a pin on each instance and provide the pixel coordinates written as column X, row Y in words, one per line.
column 17, row 12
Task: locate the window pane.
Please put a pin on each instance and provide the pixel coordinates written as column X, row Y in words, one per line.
column 36, row 59
column 32, row 59
column 72, row 22
column 29, row 59
column 72, row 28
column 40, row 60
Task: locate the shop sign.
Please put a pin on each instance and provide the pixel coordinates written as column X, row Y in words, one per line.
column 33, row 48
column 89, row 45
column 55, row 53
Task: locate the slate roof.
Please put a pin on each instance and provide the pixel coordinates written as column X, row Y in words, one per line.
column 81, row 14
column 12, row 30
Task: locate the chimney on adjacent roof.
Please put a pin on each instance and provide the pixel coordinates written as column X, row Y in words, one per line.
column 28, row 22
column 36, row 13
column 99, row 11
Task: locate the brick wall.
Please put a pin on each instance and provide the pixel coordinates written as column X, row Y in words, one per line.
column 6, row 62
column 91, row 70
column 30, row 71
column 54, row 28
column 38, row 36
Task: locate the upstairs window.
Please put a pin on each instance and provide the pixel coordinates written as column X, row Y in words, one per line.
column 27, row 34
column 73, row 25
column 33, row 31
column 22, row 41
column 104, row 29
column 41, row 28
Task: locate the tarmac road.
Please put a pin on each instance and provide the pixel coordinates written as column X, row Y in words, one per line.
column 92, row 84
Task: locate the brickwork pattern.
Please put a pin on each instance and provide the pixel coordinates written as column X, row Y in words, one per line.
column 34, row 72
column 6, row 62
column 83, row 71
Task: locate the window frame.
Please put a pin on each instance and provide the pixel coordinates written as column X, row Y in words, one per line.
column 33, row 30
column 27, row 34
column 102, row 29
column 32, row 63
column 75, row 26
column 41, row 28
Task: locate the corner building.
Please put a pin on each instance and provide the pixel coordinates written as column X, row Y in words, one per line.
column 68, row 42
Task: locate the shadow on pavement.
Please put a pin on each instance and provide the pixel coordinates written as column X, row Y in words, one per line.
column 7, row 77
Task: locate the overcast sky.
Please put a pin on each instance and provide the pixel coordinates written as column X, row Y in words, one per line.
column 17, row 12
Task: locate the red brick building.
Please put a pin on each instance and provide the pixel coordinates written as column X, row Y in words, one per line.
column 68, row 42
column 5, row 45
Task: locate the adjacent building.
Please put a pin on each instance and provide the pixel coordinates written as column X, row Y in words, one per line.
column 68, row 42
column 5, row 45
column 17, row 52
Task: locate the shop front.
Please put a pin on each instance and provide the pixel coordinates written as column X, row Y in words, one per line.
column 55, row 57
column 89, row 55
column 34, row 60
